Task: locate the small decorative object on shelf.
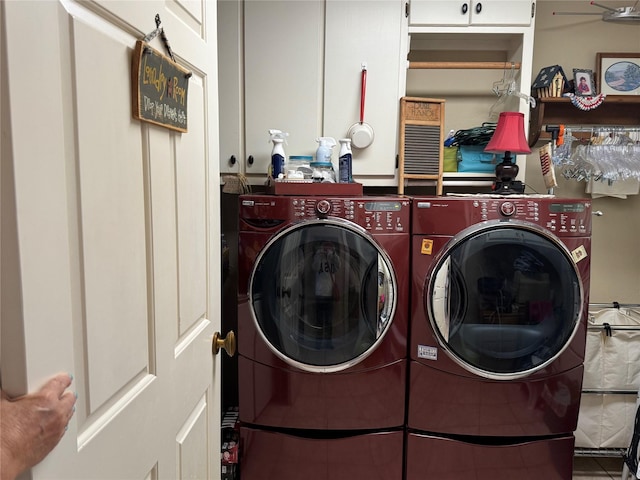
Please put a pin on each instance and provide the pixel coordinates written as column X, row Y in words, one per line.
column 586, row 103
column 583, row 81
column 619, row 73
column 550, row 82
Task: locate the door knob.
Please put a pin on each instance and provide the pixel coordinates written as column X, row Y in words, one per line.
column 228, row 344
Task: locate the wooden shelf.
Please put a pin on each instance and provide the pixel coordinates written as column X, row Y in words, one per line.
column 615, row 110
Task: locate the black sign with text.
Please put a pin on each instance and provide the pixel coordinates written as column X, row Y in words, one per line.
column 159, row 88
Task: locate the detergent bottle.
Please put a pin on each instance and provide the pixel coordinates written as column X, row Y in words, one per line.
column 278, row 157
column 324, row 151
column 345, row 173
column 323, row 167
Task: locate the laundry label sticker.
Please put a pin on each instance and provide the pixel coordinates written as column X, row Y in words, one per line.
column 579, row 253
column 428, row 353
column 427, row 246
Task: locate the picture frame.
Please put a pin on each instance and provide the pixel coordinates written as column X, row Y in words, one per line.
column 619, row 73
column 583, row 81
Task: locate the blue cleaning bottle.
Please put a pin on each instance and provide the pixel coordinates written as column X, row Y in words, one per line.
column 345, row 157
column 278, row 157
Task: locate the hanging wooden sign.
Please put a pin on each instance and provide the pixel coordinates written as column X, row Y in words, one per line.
column 159, row 88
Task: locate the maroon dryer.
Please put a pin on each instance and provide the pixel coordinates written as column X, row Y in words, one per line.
column 497, row 335
column 322, row 336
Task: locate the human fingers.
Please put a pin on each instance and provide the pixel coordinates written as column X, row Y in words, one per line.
column 67, row 403
column 57, row 384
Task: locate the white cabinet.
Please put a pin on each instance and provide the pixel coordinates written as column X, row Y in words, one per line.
column 277, row 86
column 471, row 12
column 296, row 67
column 230, row 93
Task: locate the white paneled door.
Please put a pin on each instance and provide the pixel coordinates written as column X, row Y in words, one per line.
column 111, row 237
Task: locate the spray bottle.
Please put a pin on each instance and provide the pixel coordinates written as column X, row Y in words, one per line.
column 345, row 173
column 278, row 157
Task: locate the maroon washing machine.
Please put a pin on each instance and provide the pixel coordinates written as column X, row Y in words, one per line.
column 322, row 336
column 498, row 325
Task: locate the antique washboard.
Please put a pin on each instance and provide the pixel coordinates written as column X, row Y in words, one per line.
column 421, row 142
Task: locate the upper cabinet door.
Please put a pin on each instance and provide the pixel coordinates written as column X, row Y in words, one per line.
column 230, row 91
column 467, row 12
column 283, row 44
column 496, row 12
column 358, row 33
column 440, row 12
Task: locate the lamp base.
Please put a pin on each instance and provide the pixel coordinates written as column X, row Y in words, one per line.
column 508, row 187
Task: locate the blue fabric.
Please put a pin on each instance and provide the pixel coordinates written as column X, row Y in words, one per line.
column 474, row 159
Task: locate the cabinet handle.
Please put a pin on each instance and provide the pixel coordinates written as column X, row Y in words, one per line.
column 232, row 160
column 250, row 160
column 478, row 7
column 465, row 8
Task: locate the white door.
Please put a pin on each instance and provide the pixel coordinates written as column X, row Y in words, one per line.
column 110, row 237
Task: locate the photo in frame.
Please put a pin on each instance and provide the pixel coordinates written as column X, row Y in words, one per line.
column 619, row 73
column 583, row 80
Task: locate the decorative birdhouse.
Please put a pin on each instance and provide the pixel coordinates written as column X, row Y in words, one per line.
column 550, row 82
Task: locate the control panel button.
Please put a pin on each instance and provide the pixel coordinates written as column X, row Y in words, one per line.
column 507, row 209
column 323, row 207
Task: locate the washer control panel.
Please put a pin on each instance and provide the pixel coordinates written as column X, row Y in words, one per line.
column 373, row 214
column 379, row 214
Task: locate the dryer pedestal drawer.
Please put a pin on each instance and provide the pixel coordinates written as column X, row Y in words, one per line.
column 280, row 398
column 283, row 456
column 444, row 458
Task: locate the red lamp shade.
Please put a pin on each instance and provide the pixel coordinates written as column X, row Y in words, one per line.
column 509, row 135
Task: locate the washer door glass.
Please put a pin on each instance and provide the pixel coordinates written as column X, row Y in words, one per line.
column 323, row 294
column 504, row 300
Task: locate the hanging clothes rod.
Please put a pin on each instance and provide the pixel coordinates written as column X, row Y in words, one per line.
column 464, row 65
column 611, row 392
column 613, row 327
column 615, row 305
column 597, row 128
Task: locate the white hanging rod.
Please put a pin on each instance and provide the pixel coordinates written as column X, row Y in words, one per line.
column 594, row 328
column 615, row 305
column 464, row 65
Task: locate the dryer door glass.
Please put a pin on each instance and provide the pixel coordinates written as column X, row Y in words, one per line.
column 322, row 294
column 504, row 300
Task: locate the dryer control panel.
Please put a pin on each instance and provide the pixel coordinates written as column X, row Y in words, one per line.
column 450, row 215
